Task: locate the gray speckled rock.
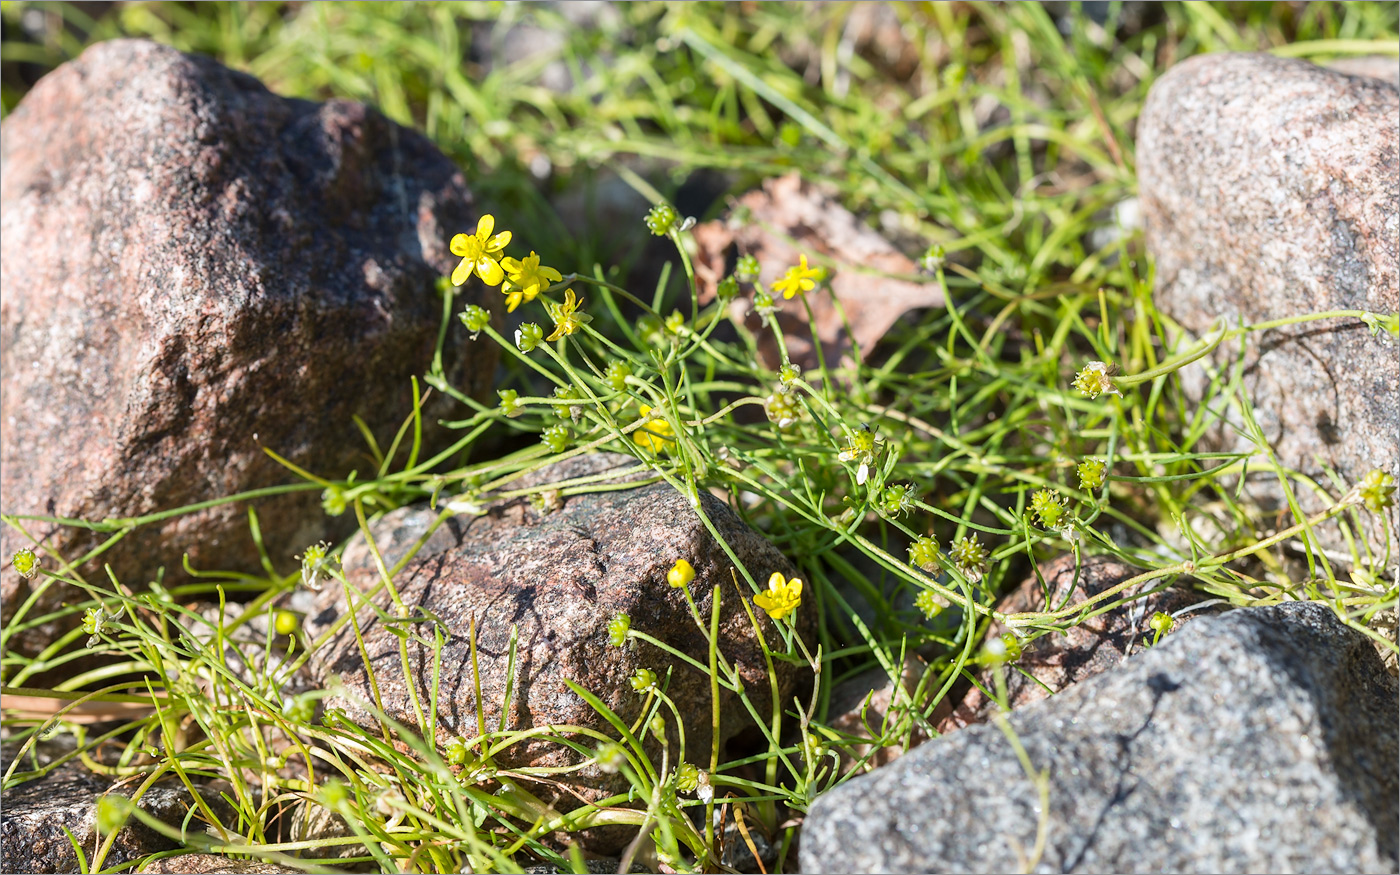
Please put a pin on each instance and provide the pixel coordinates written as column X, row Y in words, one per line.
column 1055, row 661
column 559, row 578
column 1262, row 740
column 1271, row 188
column 35, row 812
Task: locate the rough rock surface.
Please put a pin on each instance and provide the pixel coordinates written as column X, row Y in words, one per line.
column 31, row 826
column 1197, row 755
column 1271, row 188
column 211, row 864
column 1377, row 66
column 558, row 578
column 195, row 269
column 1053, row 662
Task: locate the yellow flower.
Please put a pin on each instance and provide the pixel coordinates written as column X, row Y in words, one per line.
column 797, row 279
column 566, row 317
column 479, row 253
column 681, row 574
column 525, row 279
column 782, row 598
column 655, row 435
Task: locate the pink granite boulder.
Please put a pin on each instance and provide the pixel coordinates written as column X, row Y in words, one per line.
column 1271, row 189
column 196, row 269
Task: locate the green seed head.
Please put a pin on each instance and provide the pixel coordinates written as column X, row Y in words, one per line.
column 475, row 318
column 25, row 563
column 687, row 778
column 643, row 680
column 333, row 501
column 1049, row 507
column 661, row 219
column 1377, row 490
column 969, row 557
column 617, row 373
column 565, row 393
column 1091, row 474
column 528, row 336
column 930, row 603
column 557, row 438
column 455, row 751
column 618, row 628
column 782, row 409
column 746, row 270
column 727, row 290
column 510, row 402
column 923, row 553
column 897, row 500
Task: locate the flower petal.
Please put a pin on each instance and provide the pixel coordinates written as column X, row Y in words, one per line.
column 551, row 274
column 485, row 225
column 458, row 245
column 512, row 265
column 497, row 243
column 489, row 271
column 462, row 272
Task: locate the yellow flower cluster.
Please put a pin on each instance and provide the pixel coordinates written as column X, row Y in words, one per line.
column 521, row 280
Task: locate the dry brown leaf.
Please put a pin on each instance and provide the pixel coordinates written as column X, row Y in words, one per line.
column 875, row 283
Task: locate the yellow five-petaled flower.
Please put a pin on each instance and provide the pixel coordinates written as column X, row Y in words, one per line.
column 524, row 280
column 566, row 317
column 655, row 435
column 797, row 279
column 480, row 253
column 783, row 596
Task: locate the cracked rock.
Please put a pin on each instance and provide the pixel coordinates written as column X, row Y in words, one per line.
column 1056, row 660
column 35, row 813
column 1271, row 189
column 557, row 579
column 1260, row 740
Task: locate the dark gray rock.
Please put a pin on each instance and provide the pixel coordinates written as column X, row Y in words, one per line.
column 1056, row 660
column 1261, row 740
column 1270, row 189
column 558, row 577
column 195, row 269
column 35, row 813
